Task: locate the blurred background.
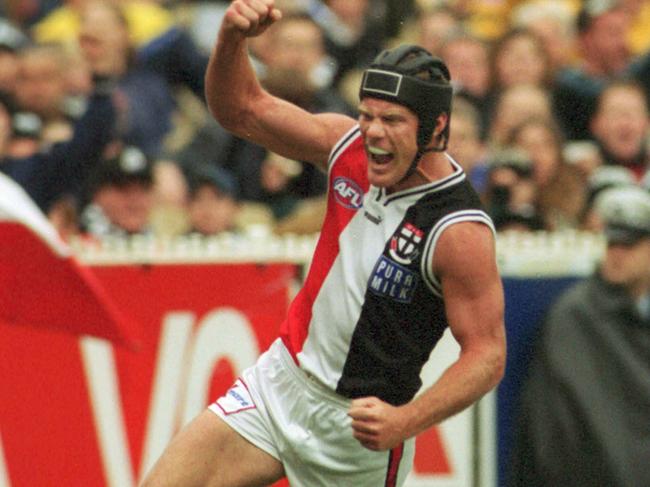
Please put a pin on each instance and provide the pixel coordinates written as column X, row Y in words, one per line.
column 104, row 125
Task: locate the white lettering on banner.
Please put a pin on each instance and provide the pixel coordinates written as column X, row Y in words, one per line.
column 223, row 333
column 101, row 377
column 175, row 334
column 182, row 359
column 4, row 476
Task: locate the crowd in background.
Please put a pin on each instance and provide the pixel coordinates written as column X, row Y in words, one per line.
column 103, row 120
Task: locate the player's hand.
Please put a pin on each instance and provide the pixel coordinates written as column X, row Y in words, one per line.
column 251, row 17
column 378, row 425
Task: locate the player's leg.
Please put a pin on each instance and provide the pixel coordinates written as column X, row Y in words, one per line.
column 209, row 453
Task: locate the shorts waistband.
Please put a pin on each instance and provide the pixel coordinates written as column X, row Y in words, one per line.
column 309, row 381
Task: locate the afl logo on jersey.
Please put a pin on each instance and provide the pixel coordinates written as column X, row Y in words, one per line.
column 404, row 245
column 347, row 193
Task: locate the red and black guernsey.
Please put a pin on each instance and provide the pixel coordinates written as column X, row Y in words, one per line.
column 371, row 310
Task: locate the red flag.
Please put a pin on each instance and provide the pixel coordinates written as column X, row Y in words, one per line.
column 42, row 284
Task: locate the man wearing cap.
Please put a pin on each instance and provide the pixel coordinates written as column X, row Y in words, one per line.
column 585, row 407
column 121, row 195
column 405, row 252
column 213, row 205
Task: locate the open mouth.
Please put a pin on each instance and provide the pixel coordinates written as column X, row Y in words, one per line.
column 379, row 156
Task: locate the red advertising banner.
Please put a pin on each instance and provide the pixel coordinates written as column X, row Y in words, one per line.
column 85, row 411
column 82, row 412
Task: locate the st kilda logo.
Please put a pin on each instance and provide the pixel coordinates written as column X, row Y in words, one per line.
column 405, row 244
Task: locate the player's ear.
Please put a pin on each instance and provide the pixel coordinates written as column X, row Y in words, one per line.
column 441, row 123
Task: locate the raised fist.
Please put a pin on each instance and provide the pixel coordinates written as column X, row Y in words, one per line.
column 251, row 17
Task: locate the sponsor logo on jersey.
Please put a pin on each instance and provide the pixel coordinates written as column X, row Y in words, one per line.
column 391, row 280
column 347, row 193
column 405, row 244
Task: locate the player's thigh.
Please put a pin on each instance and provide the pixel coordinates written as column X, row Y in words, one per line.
column 209, row 453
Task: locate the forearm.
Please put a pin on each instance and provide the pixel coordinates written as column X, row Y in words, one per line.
column 462, row 384
column 230, row 81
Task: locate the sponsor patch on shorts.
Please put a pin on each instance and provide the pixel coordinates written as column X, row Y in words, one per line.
column 237, row 399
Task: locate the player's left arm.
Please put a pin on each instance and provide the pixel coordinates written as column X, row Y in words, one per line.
column 465, row 264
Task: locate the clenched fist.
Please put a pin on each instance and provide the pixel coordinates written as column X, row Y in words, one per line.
column 377, row 425
column 251, row 17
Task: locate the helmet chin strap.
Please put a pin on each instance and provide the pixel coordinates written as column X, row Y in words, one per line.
column 418, row 155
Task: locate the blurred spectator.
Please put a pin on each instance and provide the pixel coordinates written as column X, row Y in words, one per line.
column 486, row 20
column 354, row 31
column 175, row 56
column 78, row 82
column 468, row 59
column 513, row 106
column 602, row 26
column 120, row 195
column 47, row 174
column 41, row 89
column 213, row 202
column 298, row 67
column 601, row 179
column 276, row 176
column 12, row 40
column 621, row 126
column 519, row 57
column 560, row 185
column 19, row 11
column 158, row 42
column 583, row 416
column 553, row 22
column 465, row 144
column 146, row 21
column 603, row 54
column 511, row 193
column 199, row 18
column 397, row 13
column 433, row 26
column 105, row 41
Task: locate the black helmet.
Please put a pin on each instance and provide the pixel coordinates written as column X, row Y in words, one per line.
column 409, row 75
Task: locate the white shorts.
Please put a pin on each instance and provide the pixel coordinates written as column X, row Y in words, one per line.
column 305, row 425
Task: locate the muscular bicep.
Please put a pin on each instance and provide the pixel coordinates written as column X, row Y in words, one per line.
column 292, row 132
column 465, row 263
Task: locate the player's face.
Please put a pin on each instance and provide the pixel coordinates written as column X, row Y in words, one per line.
column 389, row 131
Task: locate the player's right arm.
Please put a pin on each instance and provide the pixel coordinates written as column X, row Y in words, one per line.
column 240, row 104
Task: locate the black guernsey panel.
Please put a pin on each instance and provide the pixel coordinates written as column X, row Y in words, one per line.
column 401, row 320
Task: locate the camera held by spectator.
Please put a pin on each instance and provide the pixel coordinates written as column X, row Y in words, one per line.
column 511, row 193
